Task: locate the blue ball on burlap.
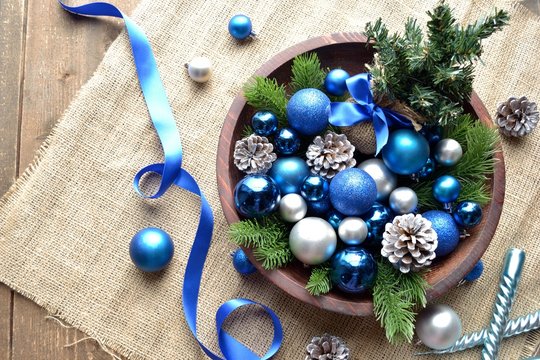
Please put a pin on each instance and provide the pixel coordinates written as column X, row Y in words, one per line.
column 319, row 208
column 289, row 174
column 307, row 111
column 315, row 188
column 264, row 123
column 240, row 27
column 334, row 218
column 335, row 82
column 151, row 249
column 406, row 152
column 241, row 262
column 476, row 272
column 287, row 141
column 446, row 229
column 376, row 219
column 468, row 214
column 353, row 192
column 353, row 270
column 256, row 195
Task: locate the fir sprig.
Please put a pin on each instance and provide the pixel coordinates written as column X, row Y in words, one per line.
column 247, row 131
column 266, row 94
column 306, row 72
column 273, row 255
column 319, row 282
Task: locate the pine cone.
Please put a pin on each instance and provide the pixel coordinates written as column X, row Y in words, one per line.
column 330, row 155
column 517, row 117
column 409, row 242
column 254, row 154
column 327, row 347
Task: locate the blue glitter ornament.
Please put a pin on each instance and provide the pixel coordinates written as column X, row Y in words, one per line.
column 353, row 192
column 289, row 174
column 315, row 188
column 151, row 249
column 353, row 270
column 406, row 152
column 241, row 262
column 446, row 189
column 468, row 214
column 287, row 141
column 476, row 272
column 334, row 218
column 335, row 82
column 319, row 208
column 376, row 219
column 264, row 123
column 240, row 27
column 256, row 195
column 307, row 111
column 446, row 229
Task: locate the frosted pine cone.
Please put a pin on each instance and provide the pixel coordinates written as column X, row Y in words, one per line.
column 254, row 154
column 409, row 242
column 327, row 347
column 329, row 155
column 517, row 116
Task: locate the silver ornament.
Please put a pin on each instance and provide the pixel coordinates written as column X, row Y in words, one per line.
column 352, row 230
column 292, row 208
column 403, row 200
column 385, row 179
column 438, row 326
column 199, row 69
column 312, row 240
column 448, row 152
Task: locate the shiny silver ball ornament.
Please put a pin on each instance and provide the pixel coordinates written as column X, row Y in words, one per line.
column 403, row 200
column 292, row 208
column 438, row 326
column 448, row 152
column 385, row 180
column 352, row 230
column 312, row 240
column 199, row 69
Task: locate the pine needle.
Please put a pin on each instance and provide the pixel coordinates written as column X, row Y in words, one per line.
column 247, row 130
column 274, row 255
column 266, row 94
column 307, row 72
column 256, row 233
column 319, row 282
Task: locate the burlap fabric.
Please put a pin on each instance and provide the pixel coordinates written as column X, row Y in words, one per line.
column 66, row 224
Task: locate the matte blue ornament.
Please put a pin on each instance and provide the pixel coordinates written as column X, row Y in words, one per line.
column 468, row 214
column 315, row 188
column 264, row 123
column 446, row 189
column 289, row 174
column 151, row 249
column 406, row 152
column 241, row 262
column 240, row 27
column 376, row 219
column 256, row 195
column 335, row 82
column 287, row 141
column 353, row 192
column 446, row 229
column 353, row 270
column 307, row 111
column 476, row 272
column 319, row 208
column 334, row 218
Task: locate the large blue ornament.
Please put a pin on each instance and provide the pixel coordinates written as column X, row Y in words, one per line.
column 353, row 270
column 406, row 152
column 256, row 195
column 335, row 82
column 376, row 219
column 240, row 27
column 151, row 249
column 334, row 218
column 319, row 208
column 468, row 214
column 446, row 229
column 315, row 188
column 307, row 111
column 446, row 189
column 353, row 192
column 287, row 141
column 289, row 174
column 241, row 262
column 264, row 123
column 476, row 272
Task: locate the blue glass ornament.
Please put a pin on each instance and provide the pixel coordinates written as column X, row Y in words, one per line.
column 264, row 123
column 476, row 272
column 425, row 171
column 287, row 141
column 335, row 82
column 307, row 111
column 446, row 189
column 241, row 262
column 256, row 195
column 151, row 249
column 240, row 27
column 353, row 192
column 376, row 219
column 433, row 134
column 319, row 208
column 289, row 174
column 353, row 270
column 315, row 188
column 468, row 214
column 334, row 218
column 446, row 229
column 406, row 152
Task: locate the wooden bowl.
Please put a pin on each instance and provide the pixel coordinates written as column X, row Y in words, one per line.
column 350, row 52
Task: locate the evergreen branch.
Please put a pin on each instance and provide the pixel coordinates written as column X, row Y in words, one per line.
column 307, row 72
column 266, row 94
column 247, row 131
column 273, row 255
column 415, row 287
column 256, row 233
column 319, row 282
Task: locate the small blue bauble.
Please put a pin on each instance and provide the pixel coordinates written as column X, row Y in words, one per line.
column 446, row 189
column 241, row 262
column 240, row 27
column 353, row 270
column 315, row 188
column 446, row 229
column 289, row 174
column 427, row 169
column 406, row 152
column 353, row 192
column 307, row 111
column 433, row 134
column 287, row 141
column 468, row 214
column 376, row 219
column 256, row 195
column 264, row 123
column 476, row 272
column 335, row 82
column 319, row 208
column 151, row 249
column 334, row 218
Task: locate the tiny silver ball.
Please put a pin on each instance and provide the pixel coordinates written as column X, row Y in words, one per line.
column 292, row 208
column 438, row 326
column 199, row 69
column 448, row 152
column 385, row 179
column 403, row 200
column 312, row 240
column 352, row 230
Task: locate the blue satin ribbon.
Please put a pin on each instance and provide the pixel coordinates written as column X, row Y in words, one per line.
column 348, row 114
column 171, row 172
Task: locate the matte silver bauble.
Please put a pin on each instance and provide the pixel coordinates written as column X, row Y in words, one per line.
column 438, row 326
column 385, row 180
column 403, row 200
column 448, row 152
column 312, row 240
column 352, row 230
column 199, row 69
column 292, row 208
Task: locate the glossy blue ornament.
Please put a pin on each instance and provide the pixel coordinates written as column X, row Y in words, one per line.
column 264, row 123
column 241, row 262
column 476, row 272
column 256, row 195
column 315, row 188
column 433, row 134
column 289, row 174
column 151, row 249
column 307, row 111
column 353, row 192
column 376, row 219
column 287, row 141
column 240, row 27
column 446, row 189
column 335, row 82
column 426, row 170
column 468, row 214
column 319, row 208
column 446, row 229
column 406, row 152
column 334, row 218
column 353, row 270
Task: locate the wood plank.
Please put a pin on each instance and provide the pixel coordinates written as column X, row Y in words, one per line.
column 5, row 322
